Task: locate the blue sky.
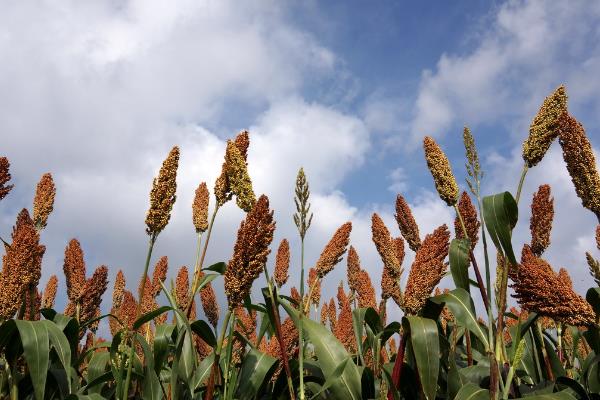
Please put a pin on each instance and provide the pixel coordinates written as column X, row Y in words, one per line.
column 97, row 94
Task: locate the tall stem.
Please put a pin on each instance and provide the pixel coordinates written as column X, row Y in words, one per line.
column 137, row 312
column 300, row 323
column 228, row 356
column 199, row 264
column 210, row 388
column 397, row 372
column 521, row 181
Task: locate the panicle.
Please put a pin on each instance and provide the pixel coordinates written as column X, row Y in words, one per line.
column 250, row 252
column 74, row 269
column 594, row 267
column 335, row 249
column 200, row 208
column 182, row 287
column 544, row 127
column 239, row 179
column 4, row 177
column 385, row 246
column 162, row 195
column 540, row 224
column 390, row 287
column 209, row 303
column 223, row 192
column 90, row 299
column 399, row 250
column 539, row 289
column 302, row 216
column 427, row 270
column 344, row 330
column 581, row 163
column 353, row 269
column 50, row 292
column 315, row 297
column 365, row 291
column 324, row 313
column 43, row 202
column 117, row 300
column 32, row 305
column 295, row 295
column 282, row 263
column 469, row 215
column 598, row 237
column 407, row 224
column 159, row 276
column 473, row 167
column 332, row 311
column 438, row 164
column 21, row 265
column 127, row 313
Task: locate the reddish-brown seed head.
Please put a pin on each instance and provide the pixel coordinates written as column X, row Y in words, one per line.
column 282, row 263
column 4, row 177
column 385, row 245
column 353, row 268
column 43, row 202
column 209, row 303
column 200, row 208
column 50, row 292
column 162, row 195
column 469, row 216
column 540, row 224
column 335, row 249
column 407, row 224
column 74, row 269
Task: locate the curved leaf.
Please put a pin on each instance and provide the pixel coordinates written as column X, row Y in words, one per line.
column 426, row 348
column 62, row 347
column 162, row 339
column 97, row 368
column 202, row 329
column 149, row 316
column 36, row 348
column 255, row 368
column 500, row 213
column 459, row 262
column 472, row 392
column 460, row 303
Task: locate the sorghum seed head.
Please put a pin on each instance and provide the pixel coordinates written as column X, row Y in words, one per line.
column 385, row 246
column 313, row 279
column 335, row 249
column 544, row 127
column 250, row 252
column 43, row 202
column 353, row 266
column 162, row 195
column 581, row 163
column 209, row 303
column 200, row 208
column 540, row 224
column 365, row 291
column 74, row 269
column 407, row 224
column 282, row 263
column 4, row 177
column 159, row 276
column 427, row 270
column 438, row 164
column 469, row 215
column 239, row 180
column 50, row 292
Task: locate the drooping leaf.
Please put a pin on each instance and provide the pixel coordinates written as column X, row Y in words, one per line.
column 61, row 346
column 426, row 348
column 461, row 304
column 253, row 373
column 36, row 348
column 459, row 262
column 472, row 392
column 202, row 329
column 500, row 213
column 149, row 316
column 218, row 267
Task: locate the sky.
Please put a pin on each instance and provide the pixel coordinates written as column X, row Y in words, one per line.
column 97, row 93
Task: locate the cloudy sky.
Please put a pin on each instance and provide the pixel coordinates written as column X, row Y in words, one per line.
column 98, row 92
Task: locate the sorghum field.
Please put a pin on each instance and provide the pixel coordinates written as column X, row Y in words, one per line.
column 189, row 347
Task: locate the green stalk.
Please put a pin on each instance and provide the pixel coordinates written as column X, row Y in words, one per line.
column 300, row 323
column 138, row 308
column 215, row 367
column 14, row 386
column 282, row 350
column 228, row 355
column 520, row 187
column 199, row 265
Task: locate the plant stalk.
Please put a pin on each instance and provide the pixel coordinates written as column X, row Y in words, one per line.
column 210, row 388
column 138, row 308
column 300, row 323
column 397, row 372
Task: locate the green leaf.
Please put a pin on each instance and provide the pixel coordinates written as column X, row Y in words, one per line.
column 162, row 340
column 593, row 297
column 331, row 353
column 94, row 396
column 60, row 343
column 219, row 267
column 459, row 262
column 472, row 392
column 426, row 347
column 564, row 395
column 500, row 213
column 253, row 373
column 36, row 348
column 460, row 303
column 97, row 368
column 149, row 316
column 333, row 378
column 203, row 371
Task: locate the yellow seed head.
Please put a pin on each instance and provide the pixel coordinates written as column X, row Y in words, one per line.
column 581, row 163
column 439, row 166
column 544, row 127
column 200, row 208
column 162, row 195
column 43, row 202
column 239, row 180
